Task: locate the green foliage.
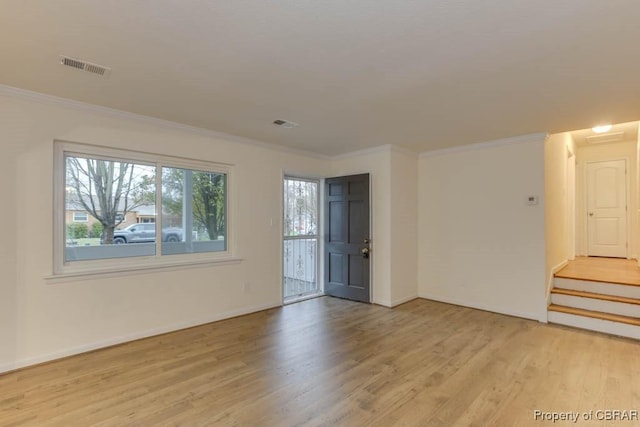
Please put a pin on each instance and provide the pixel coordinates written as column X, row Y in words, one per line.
column 96, row 229
column 77, row 231
column 208, row 199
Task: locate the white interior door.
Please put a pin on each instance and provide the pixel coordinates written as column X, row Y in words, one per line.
column 607, row 208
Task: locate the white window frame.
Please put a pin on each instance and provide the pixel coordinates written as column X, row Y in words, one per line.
column 116, row 266
column 86, row 217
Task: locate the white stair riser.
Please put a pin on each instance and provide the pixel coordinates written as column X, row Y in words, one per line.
column 592, row 304
column 606, row 326
column 598, row 287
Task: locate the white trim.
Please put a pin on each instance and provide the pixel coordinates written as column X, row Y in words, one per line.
column 112, row 112
column 143, row 157
column 540, row 136
column 21, row 363
column 404, row 151
column 471, row 304
column 585, row 188
column 147, row 267
column 382, row 303
column 372, row 237
column 550, row 279
column 363, row 152
column 387, row 148
column 400, row 301
column 115, row 266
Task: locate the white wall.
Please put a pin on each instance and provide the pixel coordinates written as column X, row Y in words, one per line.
column 394, row 212
column 377, row 163
column 480, row 244
column 451, row 226
column 41, row 320
column 602, row 152
column 557, row 203
column 404, row 226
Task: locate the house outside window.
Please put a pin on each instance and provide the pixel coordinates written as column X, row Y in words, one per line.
column 137, row 207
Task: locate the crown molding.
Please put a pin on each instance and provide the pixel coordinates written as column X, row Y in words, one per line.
column 404, row 151
column 363, row 152
column 540, row 136
column 387, row 148
column 140, row 118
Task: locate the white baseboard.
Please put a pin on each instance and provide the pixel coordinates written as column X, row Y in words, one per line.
column 382, row 303
column 22, row 363
column 403, row 300
column 472, row 304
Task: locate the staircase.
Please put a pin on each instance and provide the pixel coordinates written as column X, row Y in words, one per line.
column 608, row 307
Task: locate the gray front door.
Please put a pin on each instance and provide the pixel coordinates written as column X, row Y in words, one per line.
column 347, row 257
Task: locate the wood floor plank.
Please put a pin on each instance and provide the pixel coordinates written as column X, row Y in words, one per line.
column 328, row 361
column 598, row 269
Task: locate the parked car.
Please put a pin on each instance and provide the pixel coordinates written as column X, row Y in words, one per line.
column 145, row 233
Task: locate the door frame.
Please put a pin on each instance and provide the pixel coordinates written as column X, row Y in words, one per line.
column 321, row 227
column 570, row 217
column 320, row 256
column 371, row 236
column 585, row 203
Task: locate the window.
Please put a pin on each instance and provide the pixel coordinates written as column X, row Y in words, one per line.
column 300, row 240
column 193, row 200
column 123, row 192
column 80, row 217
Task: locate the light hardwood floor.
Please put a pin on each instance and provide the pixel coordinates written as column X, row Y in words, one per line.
column 333, row 362
column 598, row 269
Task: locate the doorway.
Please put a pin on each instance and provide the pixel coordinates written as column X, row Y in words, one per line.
column 344, row 252
column 347, row 238
column 606, row 185
column 300, row 246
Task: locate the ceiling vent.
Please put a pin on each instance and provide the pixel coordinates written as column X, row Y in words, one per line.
column 285, row 123
column 605, row 137
column 79, row 64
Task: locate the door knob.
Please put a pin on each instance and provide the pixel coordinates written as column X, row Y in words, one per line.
column 365, row 252
column 590, row 213
column 366, row 241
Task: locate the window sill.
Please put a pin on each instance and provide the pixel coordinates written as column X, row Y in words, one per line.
column 76, row 275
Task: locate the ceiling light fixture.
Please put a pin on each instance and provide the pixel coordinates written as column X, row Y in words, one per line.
column 285, row 123
column 601, row 128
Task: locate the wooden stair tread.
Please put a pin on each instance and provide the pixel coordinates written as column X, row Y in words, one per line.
column 615, row 271
column 584, row 294
column 586, row 278
column 595, row 314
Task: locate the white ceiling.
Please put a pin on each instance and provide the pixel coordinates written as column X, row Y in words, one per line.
column 618, row 133
column 421, row 74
